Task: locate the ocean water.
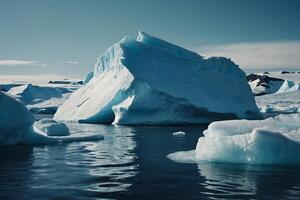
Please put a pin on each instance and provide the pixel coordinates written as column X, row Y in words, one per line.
column 131, row 163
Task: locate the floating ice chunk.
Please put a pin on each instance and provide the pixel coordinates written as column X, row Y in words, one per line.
column 179, row 133
column 32, row 135
column 271, row 141
column 52, row 128
column 183, row 156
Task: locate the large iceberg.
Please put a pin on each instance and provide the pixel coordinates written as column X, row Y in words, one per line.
column 271, row 141
column 150, row 81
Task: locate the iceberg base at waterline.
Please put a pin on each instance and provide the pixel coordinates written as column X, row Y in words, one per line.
column 18, row 126
column 271, row 141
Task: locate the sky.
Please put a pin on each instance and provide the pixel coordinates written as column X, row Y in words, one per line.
column 65, row 37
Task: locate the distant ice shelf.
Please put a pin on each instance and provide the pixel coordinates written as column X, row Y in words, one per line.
column 277, row 92
column 40, row 99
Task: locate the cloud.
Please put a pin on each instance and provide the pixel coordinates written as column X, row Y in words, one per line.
column 70, row 62
column 273, row 54
column 21, row 63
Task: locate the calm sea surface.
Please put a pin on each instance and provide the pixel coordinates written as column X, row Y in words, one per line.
column 131, row 163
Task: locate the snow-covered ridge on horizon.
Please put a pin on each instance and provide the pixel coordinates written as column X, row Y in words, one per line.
column 150, row 81
column 276, row 92
column 40, row 94
column 34, row 79
column 273, row 82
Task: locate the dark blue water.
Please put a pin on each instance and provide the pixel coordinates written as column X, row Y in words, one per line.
column 131, row 163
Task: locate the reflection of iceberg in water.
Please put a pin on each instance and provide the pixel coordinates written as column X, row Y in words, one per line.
column 83, row 170
column 111, row 162
column 15, row 159
column 225, row 181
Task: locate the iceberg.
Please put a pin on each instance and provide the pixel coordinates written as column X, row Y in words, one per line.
column 40, row 99
column 14, row 118
column 151, row 81
column 17, row 126
column 271, row 141
column 30, row 94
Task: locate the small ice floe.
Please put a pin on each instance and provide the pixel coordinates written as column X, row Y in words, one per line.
column 52, row 128
column 179, row 133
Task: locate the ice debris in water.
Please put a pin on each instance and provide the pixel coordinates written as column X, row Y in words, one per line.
column 179, row 133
